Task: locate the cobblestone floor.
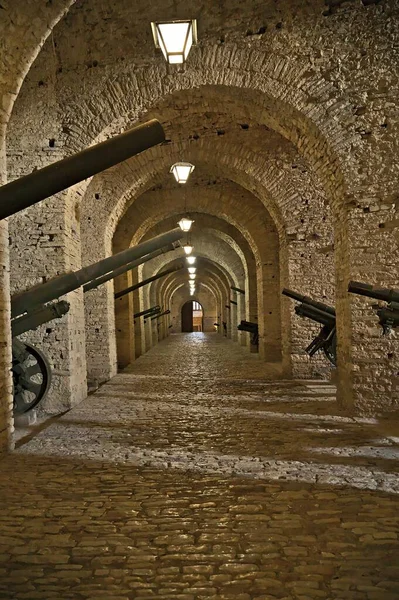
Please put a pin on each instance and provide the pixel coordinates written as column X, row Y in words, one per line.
column 189, row 477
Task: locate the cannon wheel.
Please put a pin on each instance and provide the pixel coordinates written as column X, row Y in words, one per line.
column 31, row 376
column 330, row 350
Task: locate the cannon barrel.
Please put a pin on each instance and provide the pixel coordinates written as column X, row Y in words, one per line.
column 233, row 302
column 148, row 312
column 165, row 312
column 132, row 265
column 307, row 300
column 371, row 291
column 132, row 288
column 315, row 314
column 54, row 288
column 238, row 290
column 28, row 322
column 41, row 184
column 248, row 326
column 389, row 318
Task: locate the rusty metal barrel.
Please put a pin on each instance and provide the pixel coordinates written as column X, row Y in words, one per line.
column 132, row 288
column 63, row 284
column 26, row 191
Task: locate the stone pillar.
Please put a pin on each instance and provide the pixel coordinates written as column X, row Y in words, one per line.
column 6, row 403
column 137, row 324
column 124, row 322
column 368, row 363
column 233, row 321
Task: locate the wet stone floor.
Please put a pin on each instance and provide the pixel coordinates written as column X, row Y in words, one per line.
column 190, row 476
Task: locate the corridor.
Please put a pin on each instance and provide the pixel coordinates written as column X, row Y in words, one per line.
column 190, row 476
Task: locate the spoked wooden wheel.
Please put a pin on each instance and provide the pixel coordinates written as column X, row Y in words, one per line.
column 31, row 376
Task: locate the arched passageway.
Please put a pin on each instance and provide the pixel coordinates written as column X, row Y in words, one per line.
column 234, row 463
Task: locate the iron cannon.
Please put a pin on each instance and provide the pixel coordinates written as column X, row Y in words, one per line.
column 320, row 313
column 162, row 314
column 30, row 189
column 148, row 312
column 132, row 288
column 389, row 314
column 252, row 328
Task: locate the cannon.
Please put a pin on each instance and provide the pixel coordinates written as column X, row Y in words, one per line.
column 320, row 313
column 29, row 309
column 95, row 283
column 162, row 314
column 233, row 302
column 252, row 328
column 238, row 290
column 25, row 302
column 132, row 288
column 26, row 191
column 388, row 315
column 148, row 312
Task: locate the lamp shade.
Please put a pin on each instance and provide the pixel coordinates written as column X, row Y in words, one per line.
column 188, row 248
column 192, row 275
column 175, row 39
column 182, row 171
column 185, row 224
column 192, row 269
column 191, row 260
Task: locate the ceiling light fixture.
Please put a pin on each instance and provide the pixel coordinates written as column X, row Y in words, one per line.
column 175, row 39
column 182, row 171
column 188, row 248
column 191, row 260
column 192, row 269
column 185, row 224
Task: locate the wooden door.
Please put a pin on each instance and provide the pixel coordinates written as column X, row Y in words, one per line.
column 187, row 317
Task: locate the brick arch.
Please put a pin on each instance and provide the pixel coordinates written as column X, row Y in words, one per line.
column 206, row 296
column 145, row 212
column 231, row 316
column 207, row 243
column 103, row 301
column 267, row 305
column 291, row 99
column 220, row 228
column 209, row 280
column 247, row 308
column 131, row 180
column 208, row 266
column 211, row 272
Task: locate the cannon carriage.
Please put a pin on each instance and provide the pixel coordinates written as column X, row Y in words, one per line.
column 326, row 340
